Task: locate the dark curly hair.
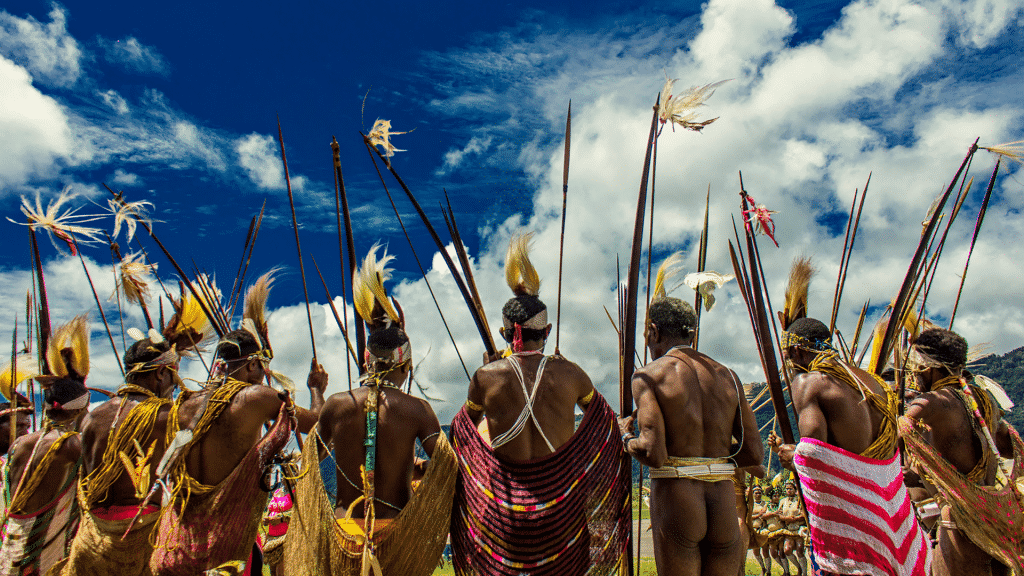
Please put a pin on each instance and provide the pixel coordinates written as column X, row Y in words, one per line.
column 943, row 345
column 236, row 345
column 518, row 310
column 673, row 317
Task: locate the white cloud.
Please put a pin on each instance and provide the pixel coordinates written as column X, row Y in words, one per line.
column 125, row 178
column 115, row 101
column 453, row 158
column 33, row 127
column 258, row 156
column 134, row 55
column 46, row 50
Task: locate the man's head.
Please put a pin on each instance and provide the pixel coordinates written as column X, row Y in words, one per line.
column 936, row 354
column 65, row 398
column 21, row 410
column 790, row 488
column 525, row 320
column 388, row 355
column 757, row 492
column 153, row 366
column 804, row 339
column 670, row 322
column 244, row 357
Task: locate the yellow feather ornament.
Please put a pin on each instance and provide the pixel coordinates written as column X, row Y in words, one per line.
column 67, row 353
column 799, row 283
column 370, row 299
column 520, row 274
column 25, row 367
column 669, row 268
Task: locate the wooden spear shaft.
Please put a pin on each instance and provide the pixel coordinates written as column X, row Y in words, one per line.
column 298, row 245
column 561, row 241
column 974, row 239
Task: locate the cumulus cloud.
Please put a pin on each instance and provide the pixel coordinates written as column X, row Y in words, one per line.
column 35, row 128
column 46, row 50
column 125, row 178
column 805, row 123
column 134, row 55
column 258, row 156
column 453, row 158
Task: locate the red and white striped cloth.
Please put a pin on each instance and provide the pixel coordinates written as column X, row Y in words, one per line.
column 859, row 513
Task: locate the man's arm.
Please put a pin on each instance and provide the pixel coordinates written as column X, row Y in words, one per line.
column 475, row 399
column 430, row 428
column 649, row 447
column 317, row 384
column 751, row 451
column 1003, row 442
column 811, row 421
column 586, row 392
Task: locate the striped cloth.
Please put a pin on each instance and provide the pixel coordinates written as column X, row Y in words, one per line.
column 564, row 514
column 860, row 515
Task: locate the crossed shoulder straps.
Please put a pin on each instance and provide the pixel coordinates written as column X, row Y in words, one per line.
column 527, row 412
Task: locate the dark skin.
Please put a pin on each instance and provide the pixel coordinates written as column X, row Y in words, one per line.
column 949, row 430
column 240, row 426
column 496, row 387
column 21, row 426
column 64, row 459
column 694, row 525
column 96, row 430
column 829, row 410
column 401, row 420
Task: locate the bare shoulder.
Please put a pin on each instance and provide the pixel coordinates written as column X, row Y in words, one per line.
column 930, row 406
column 340, row 403
column 809, row 384
column 71, row 448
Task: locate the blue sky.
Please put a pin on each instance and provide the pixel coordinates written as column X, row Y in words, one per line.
column 177, row 104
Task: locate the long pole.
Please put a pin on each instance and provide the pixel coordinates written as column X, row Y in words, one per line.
column 561, row 241
column 351, row 249
column 974, row 239
column 298, row 246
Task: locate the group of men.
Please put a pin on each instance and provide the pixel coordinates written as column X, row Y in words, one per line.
column 153, row 483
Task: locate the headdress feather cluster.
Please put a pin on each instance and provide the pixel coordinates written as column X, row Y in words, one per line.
column 67, row 352
column 520, row 274
column 799, row 283
column 254, row 309
column 25, row 367
column 669, row 268
column 370, row 299
column 189, row 327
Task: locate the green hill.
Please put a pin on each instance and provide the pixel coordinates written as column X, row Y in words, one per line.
column 1007, row 370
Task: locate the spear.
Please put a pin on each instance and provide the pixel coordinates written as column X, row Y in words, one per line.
column 930, row 275
column 473, row 306
column 460, row 251
column 899, row 306
column 974, row 238
column 702, row 257
column 99, row 306
column 342, row 208
column 629, row 304
column 860, row 326
column 298, row 246
column 13, row 426
column 423, row 272
column 561, row 241
column 181, row 273
column 844, row 261
column 330, row 302
column 43, row 331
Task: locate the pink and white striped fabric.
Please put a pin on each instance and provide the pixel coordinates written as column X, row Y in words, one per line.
column 859, row 513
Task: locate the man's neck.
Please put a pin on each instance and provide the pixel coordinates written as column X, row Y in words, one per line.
column 667, row 347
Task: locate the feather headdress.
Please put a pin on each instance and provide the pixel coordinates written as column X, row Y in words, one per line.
column 67, row 353
column 370, row 299
column 66, row 225
column 254, row 309
column 25, row 367
column 669, row 268
column 705, row 283
column 520, row 274
column 795, row 306
column 190, row 325
column 134, row 278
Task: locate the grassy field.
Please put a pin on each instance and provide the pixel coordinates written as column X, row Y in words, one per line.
column 647, row 568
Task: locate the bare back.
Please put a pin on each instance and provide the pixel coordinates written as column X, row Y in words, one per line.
column 690, row 406
column 835, row 412
column 401, row 420
column 232, row 435
column 96, row 433
column 63, row 463
column 563, row 386
column 699, row 394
